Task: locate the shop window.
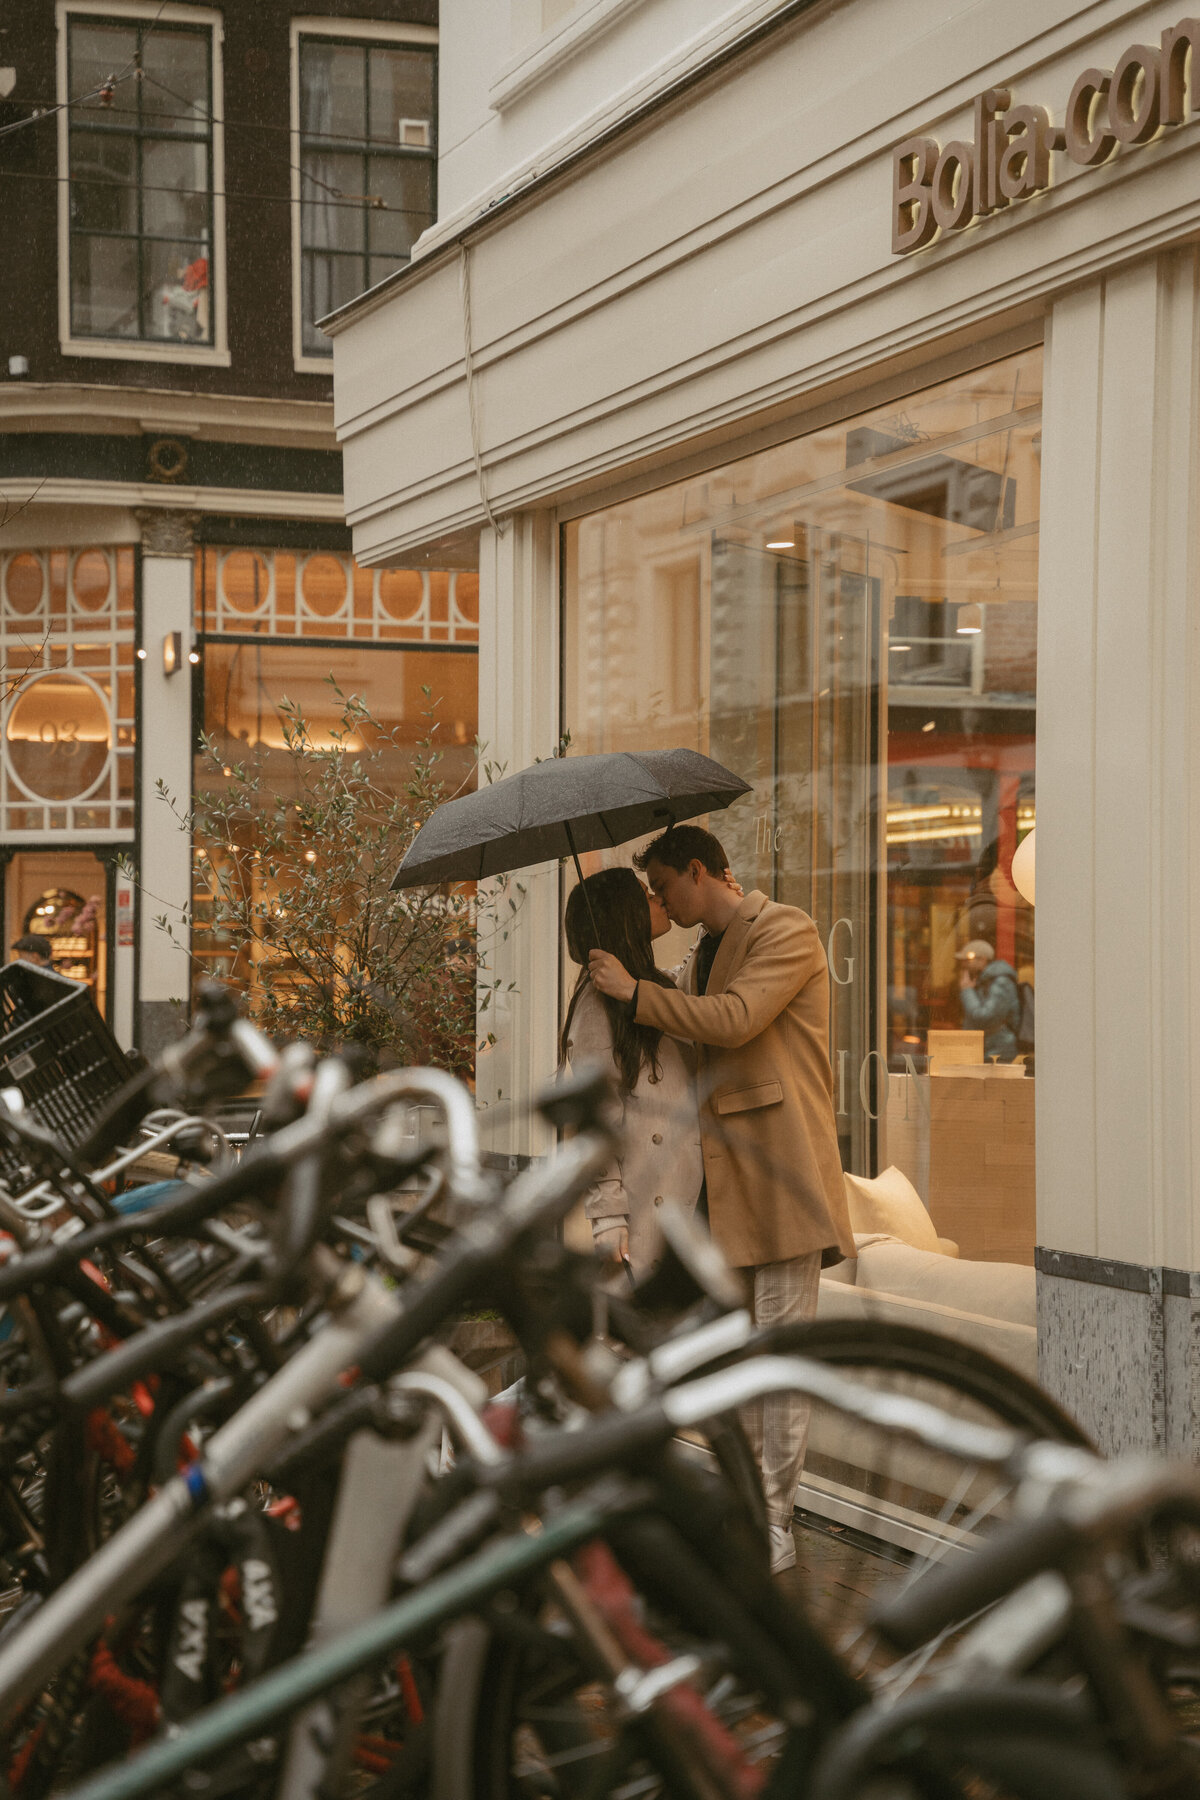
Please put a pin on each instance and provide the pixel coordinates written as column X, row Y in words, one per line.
column 140, row 194
column 324, row 594
column 62, row 896
column 410, row 691
column 849, row 621
column 67, row 651
column 367, row 149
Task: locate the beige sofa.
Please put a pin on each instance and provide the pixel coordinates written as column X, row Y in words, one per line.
column 923, row 1283
column 906, row 1273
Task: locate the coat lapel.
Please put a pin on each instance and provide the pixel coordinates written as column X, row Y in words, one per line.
column 729, row 951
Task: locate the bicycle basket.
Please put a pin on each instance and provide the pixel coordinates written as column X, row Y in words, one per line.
column 58, row 1051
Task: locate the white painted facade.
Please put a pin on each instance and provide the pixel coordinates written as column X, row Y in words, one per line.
column 719, row 276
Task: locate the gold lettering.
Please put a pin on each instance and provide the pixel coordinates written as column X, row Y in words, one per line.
column 1133, row 98
column 1025, row 162
column 1087, row 115
column 1177, row 71
column 985, row 195
column 913, row 223
column 952, row 187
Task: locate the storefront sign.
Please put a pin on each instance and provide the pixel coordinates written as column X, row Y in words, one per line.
column 947, row 187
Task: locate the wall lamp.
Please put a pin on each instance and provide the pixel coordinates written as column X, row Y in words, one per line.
column 172, row 652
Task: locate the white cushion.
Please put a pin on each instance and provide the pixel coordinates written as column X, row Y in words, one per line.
column 993, row 1290
column 889, row 1206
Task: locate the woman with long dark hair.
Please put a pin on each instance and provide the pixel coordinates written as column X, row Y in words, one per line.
column 659, row 1159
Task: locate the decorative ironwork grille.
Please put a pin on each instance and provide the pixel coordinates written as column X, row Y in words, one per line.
column 67, row 719
column 321, row 594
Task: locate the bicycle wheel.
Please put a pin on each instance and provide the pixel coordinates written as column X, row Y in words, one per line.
column 519, row 1713
column 874, row 1510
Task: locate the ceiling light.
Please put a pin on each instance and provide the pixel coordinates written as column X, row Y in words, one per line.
column 970, row 620
column 931, row 726
column 896, row 648
column 781, row 543
column 1023, row 868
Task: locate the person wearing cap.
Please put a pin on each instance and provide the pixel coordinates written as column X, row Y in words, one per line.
column 31, row 949
column 990, row 999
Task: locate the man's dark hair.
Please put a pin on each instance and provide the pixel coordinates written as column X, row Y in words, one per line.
column 680, row 845
column 33, row 946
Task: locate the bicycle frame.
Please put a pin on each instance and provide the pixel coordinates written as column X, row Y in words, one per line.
column 445, row 1596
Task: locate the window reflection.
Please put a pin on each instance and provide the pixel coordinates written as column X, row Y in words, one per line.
column 849, row 620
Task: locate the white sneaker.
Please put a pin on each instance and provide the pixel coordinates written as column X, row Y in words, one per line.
column 783, row 1549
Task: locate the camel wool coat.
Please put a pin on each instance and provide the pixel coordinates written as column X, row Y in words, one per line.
column 771, row 1162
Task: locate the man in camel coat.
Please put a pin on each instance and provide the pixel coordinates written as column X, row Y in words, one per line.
column 754, row 999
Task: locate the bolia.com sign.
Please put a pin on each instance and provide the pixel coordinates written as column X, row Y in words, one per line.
column 946, row 187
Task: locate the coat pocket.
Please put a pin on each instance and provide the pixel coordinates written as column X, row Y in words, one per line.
column 767, row 1093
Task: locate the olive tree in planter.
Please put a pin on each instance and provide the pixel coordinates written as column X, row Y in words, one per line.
column 295, row 848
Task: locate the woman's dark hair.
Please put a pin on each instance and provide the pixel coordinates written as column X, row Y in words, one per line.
column 622, row 927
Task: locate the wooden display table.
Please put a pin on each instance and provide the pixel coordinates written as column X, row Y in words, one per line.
column 966, row 1142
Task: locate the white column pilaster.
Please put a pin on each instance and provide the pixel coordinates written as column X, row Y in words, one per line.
column 519, row 924
column 165, row 727
column 1118, row 846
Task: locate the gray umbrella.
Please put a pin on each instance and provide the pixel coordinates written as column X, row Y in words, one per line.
column 561, row 807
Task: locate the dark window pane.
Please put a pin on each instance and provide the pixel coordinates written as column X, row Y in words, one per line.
column 176, row 85
column 329, row 282
column 100, row 53
column 327, row 221
column 379, row 266
column 332, row 100
column 406, row 186
column 152, row 281
column 402, row 100
column 175, row 201
column 103, row 181
column 177, row 293
column 104, row 287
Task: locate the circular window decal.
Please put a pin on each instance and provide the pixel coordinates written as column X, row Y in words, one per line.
column 466, row 598
column 58, row 737
column 24, row 583
column 92, row 579
column 325, row 585
column 401, row 592
column 245, row 582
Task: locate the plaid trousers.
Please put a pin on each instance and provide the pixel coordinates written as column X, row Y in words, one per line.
column 784, row 1293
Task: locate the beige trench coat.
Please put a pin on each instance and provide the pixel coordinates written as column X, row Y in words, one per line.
column 771, row 1161
column 659, row 1159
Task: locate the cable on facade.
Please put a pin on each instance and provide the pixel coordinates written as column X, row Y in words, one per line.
column 464, row 283
column 129, row 72
column 151, row 187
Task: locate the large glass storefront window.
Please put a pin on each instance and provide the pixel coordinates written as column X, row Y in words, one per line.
column 849, row 621
column 311, row 631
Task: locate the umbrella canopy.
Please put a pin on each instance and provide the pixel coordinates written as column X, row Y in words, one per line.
column 561, row 807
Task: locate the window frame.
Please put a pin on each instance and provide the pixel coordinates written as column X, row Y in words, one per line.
column 363, row 32
column 216, row 354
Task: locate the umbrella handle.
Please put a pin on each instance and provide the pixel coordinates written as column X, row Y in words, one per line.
column 587, row 898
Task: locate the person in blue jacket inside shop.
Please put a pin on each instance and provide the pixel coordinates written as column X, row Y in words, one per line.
column 990, row 999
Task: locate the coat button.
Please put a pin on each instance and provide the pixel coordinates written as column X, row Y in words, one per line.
column 658, row 1199
column 657, row 1138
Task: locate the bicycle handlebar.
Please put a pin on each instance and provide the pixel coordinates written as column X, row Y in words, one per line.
column 1090, row 1499
column 260, row 1168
